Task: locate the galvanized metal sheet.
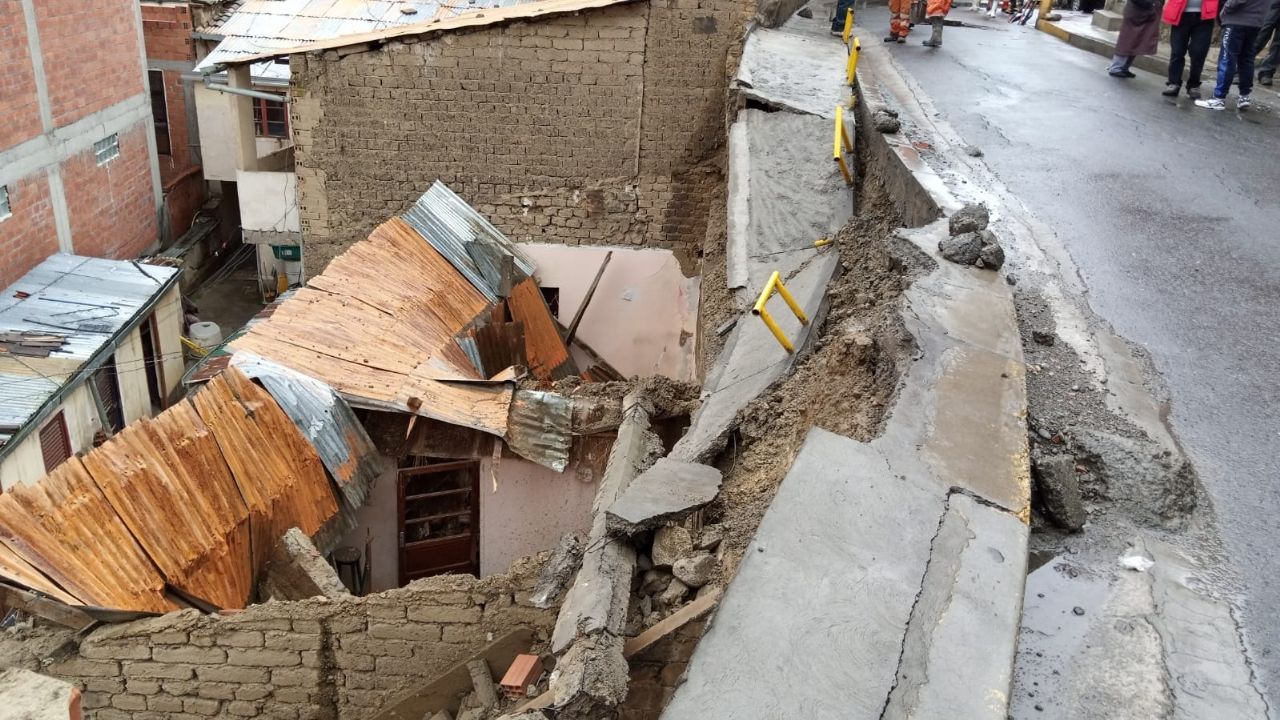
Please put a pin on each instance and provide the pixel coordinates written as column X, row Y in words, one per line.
column 260, row 26
column 325, row 419
column 539, row 428
column 470, row 243
column 86, row 301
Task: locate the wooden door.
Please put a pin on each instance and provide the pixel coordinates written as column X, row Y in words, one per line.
column 439, row 511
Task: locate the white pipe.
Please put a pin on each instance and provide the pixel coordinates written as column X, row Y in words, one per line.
column 247, row 93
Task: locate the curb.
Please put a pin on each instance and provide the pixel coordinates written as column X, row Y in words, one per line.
column 1155, row 64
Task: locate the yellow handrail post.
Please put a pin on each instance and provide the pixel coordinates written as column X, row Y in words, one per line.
column 759, row 309
column 842, row 144
column 851, row 67
column 848, row 26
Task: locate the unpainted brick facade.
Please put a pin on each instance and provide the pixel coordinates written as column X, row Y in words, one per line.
column 167, row 31
column 600, row 127
column 85, row 60
column 315, row 659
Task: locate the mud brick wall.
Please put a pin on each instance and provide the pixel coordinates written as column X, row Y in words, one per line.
column 590, row 128
column 307, row 660
column 658, row 671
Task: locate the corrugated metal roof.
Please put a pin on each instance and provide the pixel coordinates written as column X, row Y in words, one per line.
column 87, row 301
column 259, row 27
column 195, row 498
column 470, row 243
column 325, row 419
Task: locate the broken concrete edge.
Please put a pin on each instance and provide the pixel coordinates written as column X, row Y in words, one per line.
column 296, row 571
column 591, row 675
column 668, row 491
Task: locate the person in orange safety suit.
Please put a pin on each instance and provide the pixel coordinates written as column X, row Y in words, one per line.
column 937, row 13
column 900, row 20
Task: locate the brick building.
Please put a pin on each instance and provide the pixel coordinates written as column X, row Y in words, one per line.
column 169, row 29
column 588, row 122
column 78, row 170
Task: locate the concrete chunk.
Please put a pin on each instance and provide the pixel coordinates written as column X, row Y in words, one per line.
column 297, row 571
column 28, row 695
column 669, row 490
column 558, row 573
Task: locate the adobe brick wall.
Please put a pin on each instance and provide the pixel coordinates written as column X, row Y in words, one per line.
column 26, row 236
column 306, row 660
column 658, row 671
column 91, row 55
column 594, row 128
column 111, row 206
column 19, row 109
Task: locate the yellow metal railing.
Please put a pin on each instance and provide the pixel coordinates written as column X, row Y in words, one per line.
column 848, row 26
column 775, row 285
column 843, row 144
column 851, row 66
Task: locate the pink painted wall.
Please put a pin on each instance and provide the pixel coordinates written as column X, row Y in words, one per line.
column 643, row 318
column 530, row 509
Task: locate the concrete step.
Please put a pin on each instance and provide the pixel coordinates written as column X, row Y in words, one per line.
column 1107, row 20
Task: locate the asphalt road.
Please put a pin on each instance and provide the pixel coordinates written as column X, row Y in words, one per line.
column 1172, row 214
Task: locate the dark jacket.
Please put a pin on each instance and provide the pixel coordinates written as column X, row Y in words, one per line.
column 1140, row 31
column 1243, row 13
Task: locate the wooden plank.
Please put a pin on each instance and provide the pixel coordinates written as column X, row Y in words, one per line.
column 52, row 610
column 671, row 623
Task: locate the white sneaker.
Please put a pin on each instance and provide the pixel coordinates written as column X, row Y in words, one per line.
column 1212, row 104
column 1243, row 102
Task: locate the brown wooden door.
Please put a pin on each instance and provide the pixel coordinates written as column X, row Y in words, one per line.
column 439, row 510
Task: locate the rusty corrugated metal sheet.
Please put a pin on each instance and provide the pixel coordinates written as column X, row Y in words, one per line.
column 497, row 345
column 540, row 428
column 378, row 326
column 66, row 528
column 167, row 480
column 279, row 474
column 466, row 239
column 548, row 356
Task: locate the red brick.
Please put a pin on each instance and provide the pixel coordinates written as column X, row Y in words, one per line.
column 19, row 107
column 91, row 55
column 28, row 235
column 111, row 205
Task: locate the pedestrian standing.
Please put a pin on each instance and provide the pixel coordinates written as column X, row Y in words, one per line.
column 1269, row 34
column 1139, row 35
column 899, row 20
column 937, row 13
column 1191, row 33
column 1241, row 20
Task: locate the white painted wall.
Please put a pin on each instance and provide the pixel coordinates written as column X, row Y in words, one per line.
column 528, row 512
column 268, row 201
column 26, row 463
column 643, row 318
column 378, row 519
column 132, row 378
column 218, row 137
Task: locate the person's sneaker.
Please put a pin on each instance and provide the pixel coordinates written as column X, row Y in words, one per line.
column 1121, row 74
column 1212, row 104
column 1171, row 90
column 1193, row 93
column 1243, row 102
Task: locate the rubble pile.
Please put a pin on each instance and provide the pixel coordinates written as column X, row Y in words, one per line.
column 970, row 242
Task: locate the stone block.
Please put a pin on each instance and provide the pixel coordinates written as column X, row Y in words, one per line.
column 1107, row 20
column 263, row 657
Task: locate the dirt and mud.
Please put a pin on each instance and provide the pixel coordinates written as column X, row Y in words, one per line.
column 845, row 384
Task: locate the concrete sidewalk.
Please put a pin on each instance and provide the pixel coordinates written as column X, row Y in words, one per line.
column 1077, row 29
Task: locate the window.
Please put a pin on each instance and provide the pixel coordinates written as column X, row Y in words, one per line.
column 270, row 118
column 4, row 202
column 55, row 444
column 107, row 149
column 159, row 111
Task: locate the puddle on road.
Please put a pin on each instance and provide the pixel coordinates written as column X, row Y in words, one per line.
column 1061, row 604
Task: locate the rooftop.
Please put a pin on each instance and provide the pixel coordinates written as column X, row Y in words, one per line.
column 57, row 320
column 261, row 27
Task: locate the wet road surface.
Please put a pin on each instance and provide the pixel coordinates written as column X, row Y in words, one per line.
column 1172, row 214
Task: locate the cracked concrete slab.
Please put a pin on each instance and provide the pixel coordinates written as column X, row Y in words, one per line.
column 785, row 193
column 812, row 625
column 793, row 68
column 971, row 586
column 752, row 360
column 668, row 491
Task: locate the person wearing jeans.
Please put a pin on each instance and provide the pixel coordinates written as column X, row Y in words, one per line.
column 1270, row 33
column 1241, row 20
column 1191, row 32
